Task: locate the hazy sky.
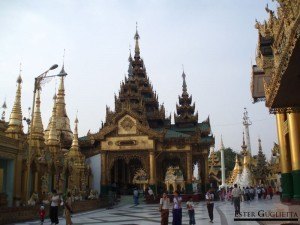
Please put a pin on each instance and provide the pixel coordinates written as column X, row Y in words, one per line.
column 214, row 40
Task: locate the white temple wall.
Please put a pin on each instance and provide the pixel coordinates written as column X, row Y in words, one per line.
column 95, row 165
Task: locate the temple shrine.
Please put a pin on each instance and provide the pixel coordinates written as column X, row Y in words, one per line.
column 138, row 134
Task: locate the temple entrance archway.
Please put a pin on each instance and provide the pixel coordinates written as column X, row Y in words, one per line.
column 122, row 173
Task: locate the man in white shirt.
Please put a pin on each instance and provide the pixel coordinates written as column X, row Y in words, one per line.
column 236, row 198
column 209, row 197
column 151, row 193
column 177, row 210
column 164, row 205
column 55, row 201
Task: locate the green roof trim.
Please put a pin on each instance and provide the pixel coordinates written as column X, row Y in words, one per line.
column 175, row 134
column 84, row 138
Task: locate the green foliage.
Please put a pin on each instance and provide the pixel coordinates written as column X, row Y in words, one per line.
column 261, row 170
column 229, row 158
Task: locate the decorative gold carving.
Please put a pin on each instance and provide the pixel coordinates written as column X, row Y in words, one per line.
column 127, row 124
column 140, row 177
column 283, row 32
column 126, row 143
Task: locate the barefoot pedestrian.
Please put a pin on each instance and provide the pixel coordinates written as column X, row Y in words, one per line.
column 236, row 197
column 210, row 204
column 177, row 210
column 191, row 211
column 270, row 192
column 164, row 205
column 55, row 201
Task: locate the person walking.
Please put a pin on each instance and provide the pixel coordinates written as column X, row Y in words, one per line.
column 259, row 192
column 68, row 209
column 55, row 201
column 136, row 196
column 164, row 205
column 270, row 192
column 265, row 192
column 151, row 194
column 191, row 211
column 210, row 204
column 177, row 210
column 280, row 191
column 247, row 194
column 236, row 198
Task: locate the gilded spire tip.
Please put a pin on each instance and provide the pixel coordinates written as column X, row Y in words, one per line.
column 76, row 119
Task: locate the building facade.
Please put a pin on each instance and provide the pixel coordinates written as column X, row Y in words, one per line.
column 275, row 79
column 140, row 146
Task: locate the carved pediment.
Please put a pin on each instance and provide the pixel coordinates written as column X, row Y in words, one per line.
column 127, row 125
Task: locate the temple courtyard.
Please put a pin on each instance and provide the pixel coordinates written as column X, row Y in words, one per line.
column 125, row 213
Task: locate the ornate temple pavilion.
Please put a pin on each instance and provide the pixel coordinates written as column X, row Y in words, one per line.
column 138, row 136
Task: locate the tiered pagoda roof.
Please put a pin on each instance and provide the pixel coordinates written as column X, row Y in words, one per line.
column 137, row 98
column 136, row 94
column 185, row 110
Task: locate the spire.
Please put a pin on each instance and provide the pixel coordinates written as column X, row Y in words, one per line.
column 60, row 101
column 4, row 107
column 244, row 146
column 130, row 69
column 137, row 47
column 75, row 144
column 184, row 86
column 222, row 163
column 236, row 159
column 37, row 124
column 185, row 109
column 237, row 163
column 247, row 123
column 222, row 144
column 52, row 137
column 259, row 145
column 74, row 152
column 62, row 120
column 15, row 119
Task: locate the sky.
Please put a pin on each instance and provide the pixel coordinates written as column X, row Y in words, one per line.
column 215, row 42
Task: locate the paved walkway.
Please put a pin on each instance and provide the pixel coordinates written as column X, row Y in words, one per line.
column 127, row 214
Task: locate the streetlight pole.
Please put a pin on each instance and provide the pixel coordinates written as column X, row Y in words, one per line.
column 37, row 83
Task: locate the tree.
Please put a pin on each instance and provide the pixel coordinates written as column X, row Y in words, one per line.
column 261, row 170
column 229, row 158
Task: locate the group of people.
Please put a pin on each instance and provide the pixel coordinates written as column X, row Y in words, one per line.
column 176, row 206
column 249, row 193
column 148, row 192
column 264, row 192
column 55, row 202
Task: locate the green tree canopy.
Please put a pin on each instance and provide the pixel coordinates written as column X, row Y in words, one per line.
column 260, row 170
column 229, row 158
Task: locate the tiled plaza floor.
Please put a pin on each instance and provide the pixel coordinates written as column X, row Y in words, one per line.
column 127, row 214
